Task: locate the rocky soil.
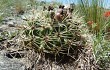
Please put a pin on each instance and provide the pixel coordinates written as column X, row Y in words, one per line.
column 11, row 57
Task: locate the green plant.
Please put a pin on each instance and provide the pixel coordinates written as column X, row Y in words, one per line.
column 93, row 10
column 101, row 50
column 54, row 38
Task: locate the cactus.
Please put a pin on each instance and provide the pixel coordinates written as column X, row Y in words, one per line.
column 52, row 37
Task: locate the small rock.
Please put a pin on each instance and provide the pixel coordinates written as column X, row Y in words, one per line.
column 11, row 25
column 24, row 18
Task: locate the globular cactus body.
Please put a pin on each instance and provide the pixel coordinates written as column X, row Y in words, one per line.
column 54, row 37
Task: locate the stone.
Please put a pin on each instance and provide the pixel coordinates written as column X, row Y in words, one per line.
column 11, row 24
column 10, row 64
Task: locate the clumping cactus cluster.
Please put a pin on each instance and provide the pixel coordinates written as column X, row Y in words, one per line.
column 53, row 37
